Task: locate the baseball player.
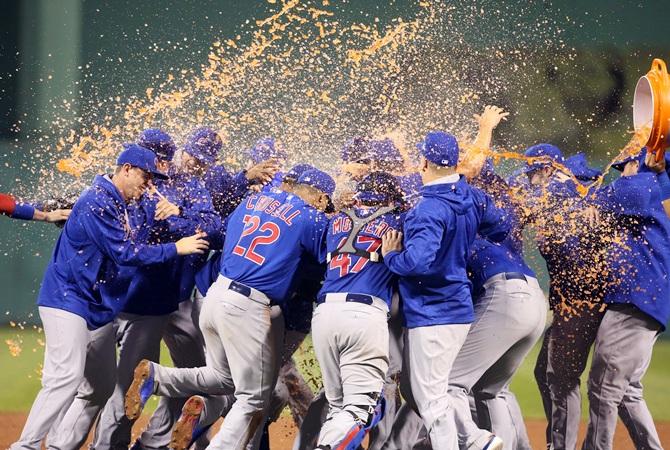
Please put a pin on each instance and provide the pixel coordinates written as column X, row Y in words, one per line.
column 158, row 302
column 639, row 307
column 25, row 211
column 350, row 331
column 267, row 236
column 437, row 303
column 81, row 292
column 568, row 245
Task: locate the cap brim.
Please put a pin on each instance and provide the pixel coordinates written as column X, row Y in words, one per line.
column 159, row 175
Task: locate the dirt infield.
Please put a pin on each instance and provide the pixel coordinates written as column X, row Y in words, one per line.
column 283, row 432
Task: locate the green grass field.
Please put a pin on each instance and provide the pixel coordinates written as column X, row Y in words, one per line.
column 19, row 379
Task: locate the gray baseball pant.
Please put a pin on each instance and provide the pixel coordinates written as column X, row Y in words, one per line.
column 351, row 344
column 74, row 360
column 621, row 357
column 561, row 362
column 430, row 354
column 241, row 358
column 509, row 318
column 308, row 432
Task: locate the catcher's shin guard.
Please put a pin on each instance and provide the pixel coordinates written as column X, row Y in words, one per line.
column 355, row 436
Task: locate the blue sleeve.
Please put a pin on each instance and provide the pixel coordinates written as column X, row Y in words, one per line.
column 23, row 211
column 106, row 230
column 313, row 239
column 423, row 234
column 198, row 215
column 664, row 184
column 495, row 223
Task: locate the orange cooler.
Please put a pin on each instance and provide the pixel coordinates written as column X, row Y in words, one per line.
column 651, row 107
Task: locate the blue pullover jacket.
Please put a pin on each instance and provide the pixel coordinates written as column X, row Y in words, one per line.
column 641, row 264
column 83, row 274
column 158, row 289
column 438, row 236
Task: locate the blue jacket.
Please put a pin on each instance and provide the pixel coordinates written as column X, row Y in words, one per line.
column 266, row 239
column 83, row 274
column 438, row 236
column 488, row 258
column 640, row 265
column 355, row 274
column 225, row 189
column 158, row 289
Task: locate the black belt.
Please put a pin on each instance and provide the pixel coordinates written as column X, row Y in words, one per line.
column 514, row 276
column 240, row 288
column 356, row 298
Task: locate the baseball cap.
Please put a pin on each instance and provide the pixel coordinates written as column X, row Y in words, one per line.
column 140, row 157
column 539, row 151
column 158, row 142
column 440, row 148
column 319, row 180
column 580, row 168
column 267, row 148
column 386, row 154
column 204, row 145
column 379, row 187
column 356, row 149
column 294, row 173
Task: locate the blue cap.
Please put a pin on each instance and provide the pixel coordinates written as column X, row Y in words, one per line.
column 267, row 148
column 204, row 144
column 386, row 154
column 294, row 173
column 379, row 187
column 580, row 168
column 319, row 180
column 140, row 157
column 440, row 148
column 540, row 151
column 356, row 149
column 159, row 142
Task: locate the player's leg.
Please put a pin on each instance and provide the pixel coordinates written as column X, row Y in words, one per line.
column 569, row 344
column 432, row 351
column 624, row 343
column 540, row 373
column 138, row 338
column 92, row 393
column 245, row 329
column 408, row 430
column 353, row 346
column 309, row 430
column 184, row 342
column 521, row 440
column 520, row 308
column 380, row 433
column 66, row 339
column 635, row 414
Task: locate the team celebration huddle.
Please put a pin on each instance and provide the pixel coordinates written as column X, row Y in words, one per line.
column 408, row 272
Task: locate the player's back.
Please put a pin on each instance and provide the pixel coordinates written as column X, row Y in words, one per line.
column 351, row 273
column 266, row 236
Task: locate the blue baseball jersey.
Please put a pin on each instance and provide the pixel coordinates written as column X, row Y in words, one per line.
column 356, row 274
column 266, row 238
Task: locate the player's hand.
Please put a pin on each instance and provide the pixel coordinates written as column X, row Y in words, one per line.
column 57, row 215
column 263, row 172
column 165, row 209
column 391, row 242
column 491, row 117
column 654, row 166
column 195, row 244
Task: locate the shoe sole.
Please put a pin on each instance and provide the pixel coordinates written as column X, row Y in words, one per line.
column 182, row 434
column 494, row 444
column 133, row 403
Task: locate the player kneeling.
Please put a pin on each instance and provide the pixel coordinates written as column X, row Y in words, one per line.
column 349, row 326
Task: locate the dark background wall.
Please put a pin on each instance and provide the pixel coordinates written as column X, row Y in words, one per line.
column 82, row 50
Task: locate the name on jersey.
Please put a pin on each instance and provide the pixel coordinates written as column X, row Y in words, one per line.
column 342, row 224
column 285, row 212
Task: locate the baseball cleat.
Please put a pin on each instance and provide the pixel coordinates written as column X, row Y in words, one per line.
column 186, row 430
column 495, row 443
column 140, row 390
